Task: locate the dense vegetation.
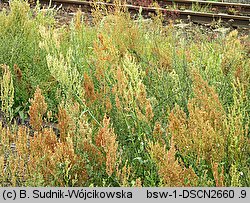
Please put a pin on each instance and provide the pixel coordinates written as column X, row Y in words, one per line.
column 121, row 102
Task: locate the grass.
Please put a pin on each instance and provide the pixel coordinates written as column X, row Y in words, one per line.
column 121, row 102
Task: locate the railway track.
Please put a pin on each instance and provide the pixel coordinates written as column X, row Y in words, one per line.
column 215, row 7
column 234, row 21
column 196, row 17
column 211, row 6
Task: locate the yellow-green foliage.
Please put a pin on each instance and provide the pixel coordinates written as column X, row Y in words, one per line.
column 121, row 102
column 7, row 92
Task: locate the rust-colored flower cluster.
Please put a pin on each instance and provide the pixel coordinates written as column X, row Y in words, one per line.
column 200, row 135
column 66, row 124
column 37, row 109
column 172, row 172
column 106, row 138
